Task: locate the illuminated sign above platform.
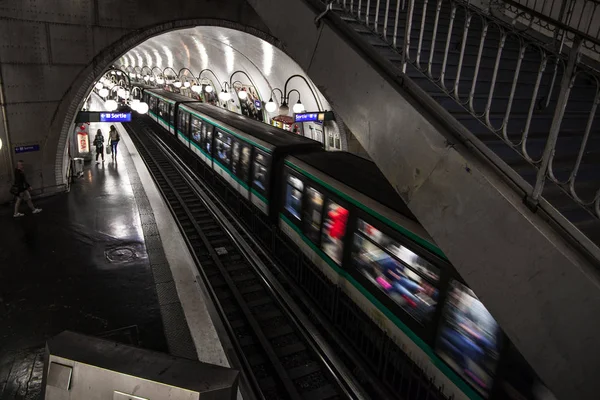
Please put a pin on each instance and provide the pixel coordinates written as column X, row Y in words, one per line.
column 102, row 116
column 314, row 116
column 115, row 117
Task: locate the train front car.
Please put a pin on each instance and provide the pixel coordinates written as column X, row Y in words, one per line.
column 163, row 105
column 246, row 153
column 347, row 219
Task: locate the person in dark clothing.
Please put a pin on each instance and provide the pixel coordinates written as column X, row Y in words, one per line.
column 99, row 143
column 23, row 188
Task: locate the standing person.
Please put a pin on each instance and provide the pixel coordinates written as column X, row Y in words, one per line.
column 99, row 143
column 114, row 140
column 22, row 188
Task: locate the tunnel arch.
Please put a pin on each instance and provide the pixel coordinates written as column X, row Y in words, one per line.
column 71, row 102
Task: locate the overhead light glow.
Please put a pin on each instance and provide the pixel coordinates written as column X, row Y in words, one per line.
column 142, row 108
column 208, row 88
column 298, row 107
column 103, row 92
column 270, row 106
column 224, row 96
column 111, row 105
column 242, row 94
column 99, row 85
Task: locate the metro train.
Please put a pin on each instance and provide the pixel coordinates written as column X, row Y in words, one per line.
column 344, row 215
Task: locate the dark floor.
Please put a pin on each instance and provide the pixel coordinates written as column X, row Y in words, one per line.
column 80, row 265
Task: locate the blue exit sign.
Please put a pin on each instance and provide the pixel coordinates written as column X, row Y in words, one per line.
column 115, row 117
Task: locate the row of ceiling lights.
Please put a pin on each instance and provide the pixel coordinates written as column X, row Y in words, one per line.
column 198, row 87
column 105, row 86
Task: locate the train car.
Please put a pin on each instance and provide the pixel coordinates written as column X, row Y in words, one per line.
column 344, row 215
column 162, row 106
column 241, row 150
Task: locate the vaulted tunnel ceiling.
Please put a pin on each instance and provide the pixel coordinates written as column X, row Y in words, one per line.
column 225, row 51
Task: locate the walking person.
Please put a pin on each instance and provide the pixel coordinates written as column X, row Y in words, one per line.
column 21, row 191
column 99, row 143
column 114, row 140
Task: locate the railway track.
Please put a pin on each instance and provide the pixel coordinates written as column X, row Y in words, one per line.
column 281, row 355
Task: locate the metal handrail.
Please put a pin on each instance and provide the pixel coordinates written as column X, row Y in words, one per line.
column 538, row 79
column 562, row 18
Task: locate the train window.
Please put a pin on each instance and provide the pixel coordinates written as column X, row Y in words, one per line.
column 235, row 158
column 196, row 130
column 330, row 140
column 293, row 196
column 468, row 339
column 152, row 104
column 404, row 254
column 404, row 276
column 259, row 180
column 313, row 214
column 335, row 230
column 171, row 114
column 163, row 109
column 223, row 148
column 244, row 164
column 207, row 138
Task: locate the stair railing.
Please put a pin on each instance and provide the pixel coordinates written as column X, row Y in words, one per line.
column 543, row 89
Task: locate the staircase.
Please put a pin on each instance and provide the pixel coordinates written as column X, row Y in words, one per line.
column 503, row 87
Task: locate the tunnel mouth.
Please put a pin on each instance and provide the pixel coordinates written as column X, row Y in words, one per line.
column 72, row 101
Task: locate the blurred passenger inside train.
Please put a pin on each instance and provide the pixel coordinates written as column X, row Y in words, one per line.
column 404, row 276
column 335, row 229
column 469, row 337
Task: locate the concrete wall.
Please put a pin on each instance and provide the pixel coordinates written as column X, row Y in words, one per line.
column 51, row 50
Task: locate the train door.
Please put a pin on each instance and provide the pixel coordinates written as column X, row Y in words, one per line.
column 153, row 107
column 240, row 166
column 163, row 113
column 183, row 126
column 260, row 180
column 196, row 138
column 222, row 156
column 172, row 127
column 207, row 141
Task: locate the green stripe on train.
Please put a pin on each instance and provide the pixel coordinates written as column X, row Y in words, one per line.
column 443, row 367
column 425, row 243
column 228, row 131
column 238, row 180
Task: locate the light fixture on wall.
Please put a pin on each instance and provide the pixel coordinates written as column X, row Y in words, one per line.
column 271, row 106
column 99, row 85
column 298, row 107
column 177, row 84
column 224, row 95
column 186, row 84
column 103, row 92
column 208, row 87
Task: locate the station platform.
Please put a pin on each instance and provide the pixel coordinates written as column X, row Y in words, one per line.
column 96, row 261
